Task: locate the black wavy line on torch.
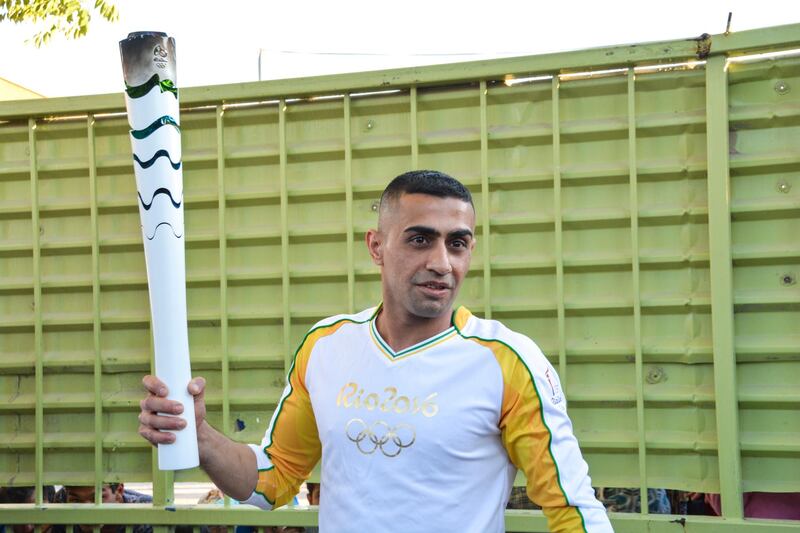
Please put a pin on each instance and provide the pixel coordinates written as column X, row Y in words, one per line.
column 160, row 190
column 153, row 236
column 149, row 163
column 164, row 120
column 137, row 91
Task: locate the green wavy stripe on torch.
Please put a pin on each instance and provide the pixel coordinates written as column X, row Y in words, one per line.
column 166, row 120
column 141, row 90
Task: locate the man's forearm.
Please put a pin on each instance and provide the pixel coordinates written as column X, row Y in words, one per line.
column 230, row 465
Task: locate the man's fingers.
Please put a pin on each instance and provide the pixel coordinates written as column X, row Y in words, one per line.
column 161, row 405
column 155, row 386
column 159, row 422
column 156, row 437
column 155, row 422
column 196, row 386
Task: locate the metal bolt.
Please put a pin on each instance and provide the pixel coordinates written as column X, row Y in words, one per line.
column 781, row 87
column 375, row 205
column 656, row 375
column 370, row 124
column 788, row 279
column 784, row 186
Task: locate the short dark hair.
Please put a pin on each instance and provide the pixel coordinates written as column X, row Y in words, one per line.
column 431, row 182
column 23, row 494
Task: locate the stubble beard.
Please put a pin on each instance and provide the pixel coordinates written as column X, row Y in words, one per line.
column 425, row 307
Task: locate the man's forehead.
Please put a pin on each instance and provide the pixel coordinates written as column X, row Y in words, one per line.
column 85, row 488
column 440, row 212
column 80, row 490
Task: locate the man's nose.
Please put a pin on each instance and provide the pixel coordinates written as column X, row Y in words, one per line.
column 439, row 259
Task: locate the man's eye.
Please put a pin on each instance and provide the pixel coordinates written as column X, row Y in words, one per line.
column 418, row 239
column 458, row 243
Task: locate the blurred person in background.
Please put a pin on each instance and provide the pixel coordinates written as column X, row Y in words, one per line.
column 215, row 496
column 26, row 495
column 773, row 505
column 313, row 499
column 112, row 493
column 519, row 500
column 622, row 500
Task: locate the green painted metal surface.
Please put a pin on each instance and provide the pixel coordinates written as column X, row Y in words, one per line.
column 641, row 225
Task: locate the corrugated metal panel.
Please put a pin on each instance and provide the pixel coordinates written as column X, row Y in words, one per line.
column 601, row 200
column 765, row 180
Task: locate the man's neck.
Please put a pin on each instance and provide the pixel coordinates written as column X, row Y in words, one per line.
column 402, row 330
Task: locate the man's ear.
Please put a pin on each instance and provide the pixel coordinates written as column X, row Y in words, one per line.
column 374, row 242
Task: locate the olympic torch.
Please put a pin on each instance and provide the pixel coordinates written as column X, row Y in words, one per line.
column 151, row 98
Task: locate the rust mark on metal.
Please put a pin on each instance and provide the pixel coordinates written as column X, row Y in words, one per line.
column 680, row 521
column 703, row 46
column 733, row 137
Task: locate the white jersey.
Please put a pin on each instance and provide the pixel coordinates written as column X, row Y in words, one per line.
column 428, row 438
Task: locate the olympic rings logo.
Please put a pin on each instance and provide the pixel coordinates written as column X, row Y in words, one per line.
column 380, row 436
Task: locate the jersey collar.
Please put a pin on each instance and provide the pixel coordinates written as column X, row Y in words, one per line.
column 437, row 339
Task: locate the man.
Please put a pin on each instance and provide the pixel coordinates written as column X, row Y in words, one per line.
column 111, row 493
column 770, row 505
column 421, row 414
column 26, row 495
column 216, row 497
column 313, row 499
column 627, row 500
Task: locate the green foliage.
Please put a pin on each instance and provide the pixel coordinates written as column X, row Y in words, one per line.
column 67, row 17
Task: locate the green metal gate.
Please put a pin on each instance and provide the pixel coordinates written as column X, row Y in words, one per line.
column 638, row 217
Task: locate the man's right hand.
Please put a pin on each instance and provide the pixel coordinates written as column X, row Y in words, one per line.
column 151, row 423
column 231, row 465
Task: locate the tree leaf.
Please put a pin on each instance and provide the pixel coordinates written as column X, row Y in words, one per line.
column 70, row 18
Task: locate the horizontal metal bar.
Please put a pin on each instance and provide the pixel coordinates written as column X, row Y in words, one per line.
column 516, row 520
column 621, row 56
column 133, row 361
column 589, row 441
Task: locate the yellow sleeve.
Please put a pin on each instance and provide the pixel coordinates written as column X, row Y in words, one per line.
column 537, row 435
column 291, row 447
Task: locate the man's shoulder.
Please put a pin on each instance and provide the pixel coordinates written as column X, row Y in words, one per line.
column 356, row 318
column 131, row 496
column 330, row 325
column 495, row 333
column 519, row 357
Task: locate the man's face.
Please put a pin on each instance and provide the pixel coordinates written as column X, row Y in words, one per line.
column 424, row 245
column 85, row 494
column 313, row 493
column 29, row 528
